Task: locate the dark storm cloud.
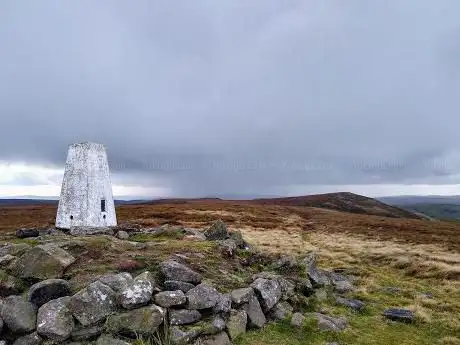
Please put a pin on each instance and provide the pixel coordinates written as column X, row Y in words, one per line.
column 232, row 96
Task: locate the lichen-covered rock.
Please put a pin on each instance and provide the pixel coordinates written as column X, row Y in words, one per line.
column 256, row 316
column 183, row 316
column 138, row 292
column 93, row 304
column 10, row 285
column 48, row 290
column 173, row 270
column 236, row 324
column 297, row 320
column 106, row 339
column 268, row 291
column 16, row 249
column 179, row 336
column 170, row 298
column 329, row 323
column 29, row 339
column 116, row 282
column 54, row 319
column 281, row 311
column 45, row 261
column 237, row 236
column 143, row 321
column 240, row 296
column 217, row 231
column 217, row 339
column 227, row 247
column 202, row 297
column 223, row 305
column 216, row 325
column 81, row 333
column 173, row 285
column 18, row 314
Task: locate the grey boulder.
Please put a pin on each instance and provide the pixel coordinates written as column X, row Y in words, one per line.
column 109, row 340
column 18, row 314
column 240, row 296
column 398, row 314
column 354, row 304
column 281, row 311
column 223, row 305
column 329, row 323
column 173, row 270
column 202, row 297
column 268, row 291
column 54, row 319
column 256, row 316
column 45, row 261
column 138, row 292
column 93, row 304
column 173, row 285
column 297, row 320
column 217, row 339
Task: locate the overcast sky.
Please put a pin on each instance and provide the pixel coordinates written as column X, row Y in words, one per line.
column 205, row 97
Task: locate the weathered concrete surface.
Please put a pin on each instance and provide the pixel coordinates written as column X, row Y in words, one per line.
column 86, row 182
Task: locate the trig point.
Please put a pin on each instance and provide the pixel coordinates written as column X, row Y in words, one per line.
column 86, row 193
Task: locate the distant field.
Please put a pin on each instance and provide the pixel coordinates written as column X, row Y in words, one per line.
column 438, row 211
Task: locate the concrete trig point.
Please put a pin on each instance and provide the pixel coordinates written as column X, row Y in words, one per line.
column 86, row 193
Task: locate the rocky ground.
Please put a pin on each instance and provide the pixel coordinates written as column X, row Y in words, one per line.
column 44, row 300
column 338, row 285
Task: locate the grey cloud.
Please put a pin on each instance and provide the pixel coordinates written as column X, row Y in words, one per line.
column 234, row 95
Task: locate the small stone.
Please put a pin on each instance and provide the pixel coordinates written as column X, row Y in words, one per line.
column 297, row 320
column 217, row 231
column 173, row 285
column 236, row 324
column 170, row 298
column 30, row 339
column 227, row 248
column 354, row 304
column 237, row 236
column 318, row 277
column 398, row 314
column 183, row 316
column 256, row 316
column 329, row 323
column 54, row 319
column 202, row 297
column 173, row 270
column 18, row 314
column 240, row 296
column 25, row 233
column 48, row 290
column 90, row 230
column 122, row 235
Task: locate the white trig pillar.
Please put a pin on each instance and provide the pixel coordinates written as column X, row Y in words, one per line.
column 86, row 194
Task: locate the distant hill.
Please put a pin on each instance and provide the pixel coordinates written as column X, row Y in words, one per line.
column 344, row 201
column 19, row 202
column 438, row 211
column 420, row 199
